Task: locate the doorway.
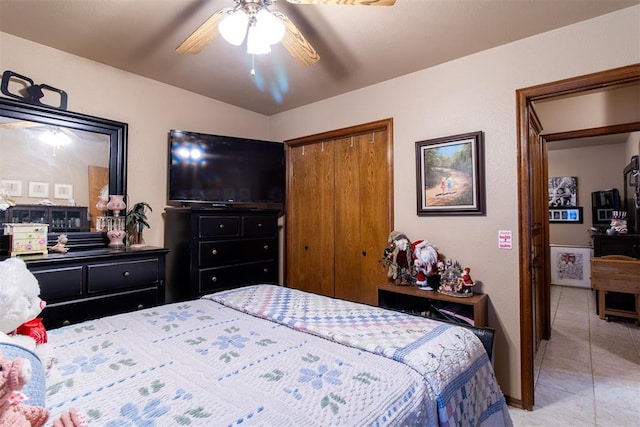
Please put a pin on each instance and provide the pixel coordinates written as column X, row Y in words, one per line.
column 531, row 161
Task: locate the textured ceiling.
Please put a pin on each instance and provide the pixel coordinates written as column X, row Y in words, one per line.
column 358, row 45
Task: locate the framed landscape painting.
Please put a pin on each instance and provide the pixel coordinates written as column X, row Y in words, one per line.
column 450, row 175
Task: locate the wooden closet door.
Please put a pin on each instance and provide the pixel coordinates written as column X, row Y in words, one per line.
column 376, row 196
column 363, row 217
column 347, row 219
column 310, row 218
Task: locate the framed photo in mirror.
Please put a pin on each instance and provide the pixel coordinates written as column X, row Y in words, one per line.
column 12, row 187
column 63, row 191
column 38, row 189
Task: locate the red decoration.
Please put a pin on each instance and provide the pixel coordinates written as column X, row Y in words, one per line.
column 34, row 329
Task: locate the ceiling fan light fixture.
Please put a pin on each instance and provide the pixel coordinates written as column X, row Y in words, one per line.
column 270, row 28
column 234, row 27
column 256, row 43
column 55, row 137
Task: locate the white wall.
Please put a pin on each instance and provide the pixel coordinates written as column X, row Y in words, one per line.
column 632, row 145
column 149, row 107
column 475, row 93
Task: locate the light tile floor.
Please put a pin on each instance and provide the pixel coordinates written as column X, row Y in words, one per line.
column 588, row 373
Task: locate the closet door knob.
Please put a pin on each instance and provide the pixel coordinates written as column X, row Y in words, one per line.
column 364, row 253
column 306, row 248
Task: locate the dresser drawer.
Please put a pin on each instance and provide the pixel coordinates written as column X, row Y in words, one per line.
column 219, row 226
column 219, row 278
column 60, row 283
column 231, row 251
column 259, row 226
column 122, row 275
column 57, row 315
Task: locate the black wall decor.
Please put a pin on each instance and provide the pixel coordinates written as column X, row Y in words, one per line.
column 32, row 93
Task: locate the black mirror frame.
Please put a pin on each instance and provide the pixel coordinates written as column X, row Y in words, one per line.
column 117, row 133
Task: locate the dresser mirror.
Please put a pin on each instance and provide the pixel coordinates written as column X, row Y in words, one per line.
column 54, row 160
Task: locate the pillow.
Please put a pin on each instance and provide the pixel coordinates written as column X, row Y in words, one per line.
column 36, row 387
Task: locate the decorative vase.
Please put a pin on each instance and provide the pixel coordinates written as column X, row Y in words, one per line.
column 102, row 204
column 116, row 204
column 116, row 238
column 115, row 232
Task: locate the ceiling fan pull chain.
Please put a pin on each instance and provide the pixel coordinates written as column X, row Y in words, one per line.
column 253, row 65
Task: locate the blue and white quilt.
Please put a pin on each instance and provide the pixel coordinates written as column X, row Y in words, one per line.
column 272, row 356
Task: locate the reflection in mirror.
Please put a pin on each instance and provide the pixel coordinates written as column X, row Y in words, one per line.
column 73, row 164
column 55, row 164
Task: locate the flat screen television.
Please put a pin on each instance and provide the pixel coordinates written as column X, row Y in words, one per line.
column 225, row 171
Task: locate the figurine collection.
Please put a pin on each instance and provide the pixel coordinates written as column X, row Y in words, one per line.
column 420, row 263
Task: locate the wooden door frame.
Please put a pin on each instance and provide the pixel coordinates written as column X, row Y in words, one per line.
column 524, row 98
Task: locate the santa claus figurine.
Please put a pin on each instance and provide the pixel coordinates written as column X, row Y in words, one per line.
column 425, row 257
column 467, row 283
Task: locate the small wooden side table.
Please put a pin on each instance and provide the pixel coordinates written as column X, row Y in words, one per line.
column 616, row 273
column 402, row 297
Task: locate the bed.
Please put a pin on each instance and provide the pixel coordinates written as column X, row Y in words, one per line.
column 267, row 355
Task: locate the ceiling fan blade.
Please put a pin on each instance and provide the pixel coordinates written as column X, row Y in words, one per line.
column 296, row 44
column 203, row 35
column 347, row 2
column 18, row 125
column 68, row 132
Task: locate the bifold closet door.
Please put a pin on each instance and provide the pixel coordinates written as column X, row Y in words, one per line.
column 310, row 218
column 362, row 215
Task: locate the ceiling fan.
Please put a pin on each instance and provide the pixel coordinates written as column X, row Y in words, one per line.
column 262, row 28
column 51, row 134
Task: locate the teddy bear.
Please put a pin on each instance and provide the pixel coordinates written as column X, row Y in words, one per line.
column 60, row 244
column 14, row 375
column 20, row 304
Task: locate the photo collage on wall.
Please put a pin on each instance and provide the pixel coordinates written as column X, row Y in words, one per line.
column 563, row 200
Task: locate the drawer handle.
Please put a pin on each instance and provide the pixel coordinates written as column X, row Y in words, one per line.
column 214, row 279
column 260, row 225
column 140, row 306
column 266, row 270
column 266, row 247
column 126, row 274
column 214, row 252
column 221, row 226
column 66, row 323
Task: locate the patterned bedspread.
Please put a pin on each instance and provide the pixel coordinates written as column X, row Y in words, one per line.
column 450, row 359
column 211, row 362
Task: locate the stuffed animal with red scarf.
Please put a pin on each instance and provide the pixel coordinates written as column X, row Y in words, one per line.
column 20, row 305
